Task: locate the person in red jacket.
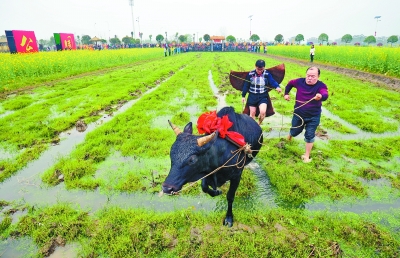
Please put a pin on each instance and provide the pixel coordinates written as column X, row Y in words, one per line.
column 307, row 109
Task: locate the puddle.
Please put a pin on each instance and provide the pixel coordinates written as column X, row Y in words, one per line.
column 265, row 192
column 67, row 251
column 21, row 247
column 276, row 126
column 361, row 206
column 161, row 122
column 194, row 109
column 220, row 98
column 358, row 135
column 4, row 154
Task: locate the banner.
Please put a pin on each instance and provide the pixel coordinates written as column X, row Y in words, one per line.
column 20, row 41
column 65, row 41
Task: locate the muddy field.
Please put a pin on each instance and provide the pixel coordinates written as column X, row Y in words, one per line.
column 101, row 144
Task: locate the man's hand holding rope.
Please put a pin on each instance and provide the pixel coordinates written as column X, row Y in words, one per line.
column 317, row 96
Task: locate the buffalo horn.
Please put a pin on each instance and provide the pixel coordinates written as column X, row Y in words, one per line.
column 175, row 128
column 205, row 139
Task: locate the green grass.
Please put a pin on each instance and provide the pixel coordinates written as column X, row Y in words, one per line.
column 130, row 154
column 116, row 232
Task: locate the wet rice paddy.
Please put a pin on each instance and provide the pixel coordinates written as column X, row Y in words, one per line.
column 119, row 175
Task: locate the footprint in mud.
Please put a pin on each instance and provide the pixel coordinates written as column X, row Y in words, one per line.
column 81, row 126
column 322, row 135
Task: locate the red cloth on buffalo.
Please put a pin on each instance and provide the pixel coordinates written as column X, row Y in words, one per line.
column 209, row 122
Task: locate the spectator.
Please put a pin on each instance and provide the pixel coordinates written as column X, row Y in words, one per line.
column 312, row 52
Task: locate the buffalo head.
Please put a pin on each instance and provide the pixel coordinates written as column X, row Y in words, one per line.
column 190, row 159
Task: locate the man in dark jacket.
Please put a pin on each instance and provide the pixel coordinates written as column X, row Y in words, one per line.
column 256, row 84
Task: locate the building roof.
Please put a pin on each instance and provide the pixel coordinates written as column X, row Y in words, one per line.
column 217, row 37
column 95, row 39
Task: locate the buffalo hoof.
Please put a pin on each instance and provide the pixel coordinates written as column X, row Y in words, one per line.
column 228, row 222
column 218, row 192
column 214, row 193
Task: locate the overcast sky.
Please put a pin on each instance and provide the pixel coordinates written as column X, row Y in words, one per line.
column 106, row 18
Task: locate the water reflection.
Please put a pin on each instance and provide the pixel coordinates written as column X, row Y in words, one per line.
column 359, row 134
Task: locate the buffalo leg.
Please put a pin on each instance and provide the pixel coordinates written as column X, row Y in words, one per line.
column 230, row 197
column 210, row 181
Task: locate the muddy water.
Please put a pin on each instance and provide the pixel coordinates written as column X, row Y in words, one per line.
column 359, row 135
column 221, row 98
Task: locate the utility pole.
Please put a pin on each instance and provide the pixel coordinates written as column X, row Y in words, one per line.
column 133, row 20
column 250, row 17
column 377, row 19
column 139, row 29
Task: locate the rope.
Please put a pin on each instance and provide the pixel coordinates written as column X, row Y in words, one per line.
column 235, row 153
column 248, row 80
column 304, row 103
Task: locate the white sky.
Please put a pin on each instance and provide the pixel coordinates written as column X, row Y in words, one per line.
column 106, row 18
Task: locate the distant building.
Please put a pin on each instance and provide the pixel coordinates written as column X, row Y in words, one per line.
column 217, row 39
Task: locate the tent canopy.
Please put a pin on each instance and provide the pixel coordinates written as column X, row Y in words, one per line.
column 95, row 39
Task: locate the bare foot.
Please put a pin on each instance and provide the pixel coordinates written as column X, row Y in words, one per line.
column 305, row 159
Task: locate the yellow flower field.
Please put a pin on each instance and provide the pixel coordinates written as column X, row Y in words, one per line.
column 382, row 60
column 19, row 69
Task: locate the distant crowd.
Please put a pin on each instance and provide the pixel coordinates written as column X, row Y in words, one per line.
column 222, row 47
column 172, row 48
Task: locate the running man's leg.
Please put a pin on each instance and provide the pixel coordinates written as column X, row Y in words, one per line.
column 263, row 110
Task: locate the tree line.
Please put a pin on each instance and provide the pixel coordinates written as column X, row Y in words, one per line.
column 323, row 38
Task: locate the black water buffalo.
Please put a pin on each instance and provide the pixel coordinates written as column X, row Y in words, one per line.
column 194, row 156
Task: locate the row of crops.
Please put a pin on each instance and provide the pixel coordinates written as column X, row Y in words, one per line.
column 21, row 70
column 177, row 88
column 385, row 60
column 26, row 69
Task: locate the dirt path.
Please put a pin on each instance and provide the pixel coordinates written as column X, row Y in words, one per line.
column 390, row 83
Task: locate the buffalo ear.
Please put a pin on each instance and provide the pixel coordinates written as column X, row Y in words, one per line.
column 188, row 128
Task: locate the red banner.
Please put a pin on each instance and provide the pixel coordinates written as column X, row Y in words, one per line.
column 25, row 41
column 67, row 41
